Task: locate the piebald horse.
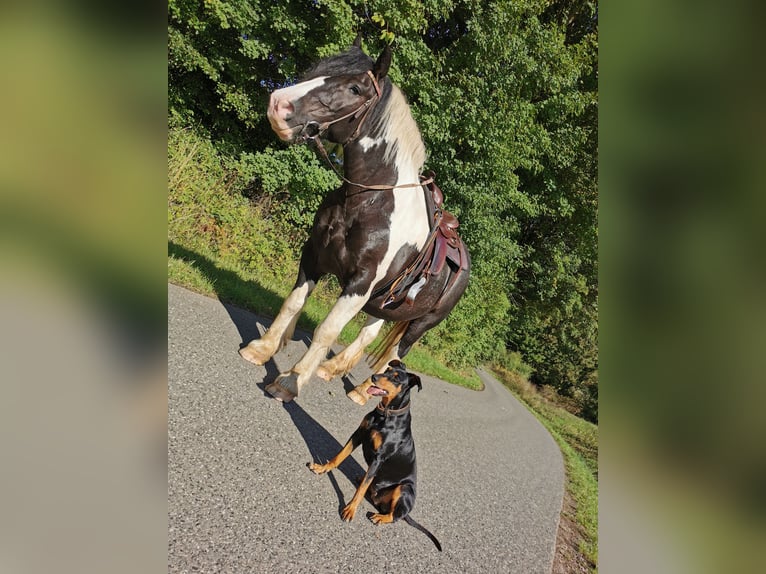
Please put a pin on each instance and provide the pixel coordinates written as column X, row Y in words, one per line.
column 367, row 231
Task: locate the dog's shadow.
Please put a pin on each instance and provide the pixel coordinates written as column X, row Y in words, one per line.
column 321, row 444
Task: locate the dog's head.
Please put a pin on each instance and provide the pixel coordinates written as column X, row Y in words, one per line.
column 394, row 383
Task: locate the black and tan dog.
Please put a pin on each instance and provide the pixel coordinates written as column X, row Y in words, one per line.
column 386, row 438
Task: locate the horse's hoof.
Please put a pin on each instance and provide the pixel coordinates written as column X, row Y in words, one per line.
column 279, row 393
column 357, row 397
column 324, row 373
column 285, row 388
column 255, row 352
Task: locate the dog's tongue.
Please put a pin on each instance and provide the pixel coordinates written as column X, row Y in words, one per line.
column 375, row 391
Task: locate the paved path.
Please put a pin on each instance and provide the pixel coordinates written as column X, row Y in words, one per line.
column 241, row 500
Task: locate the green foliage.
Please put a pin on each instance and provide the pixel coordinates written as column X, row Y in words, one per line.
column 505, row 93
column 292, row 178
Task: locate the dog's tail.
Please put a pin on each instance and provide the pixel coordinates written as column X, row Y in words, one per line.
column 424, row 530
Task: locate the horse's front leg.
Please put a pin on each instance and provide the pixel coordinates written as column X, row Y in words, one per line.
column 288, row 385
column 259, row 351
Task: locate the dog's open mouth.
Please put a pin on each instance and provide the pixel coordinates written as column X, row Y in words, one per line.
column 376, row 391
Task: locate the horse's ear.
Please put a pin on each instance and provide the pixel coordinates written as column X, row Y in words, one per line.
column 358, row 40
column 380, row 69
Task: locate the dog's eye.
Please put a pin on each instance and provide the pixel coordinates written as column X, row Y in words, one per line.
column 354, row 90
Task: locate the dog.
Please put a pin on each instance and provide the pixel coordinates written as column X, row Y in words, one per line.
column 389, row 450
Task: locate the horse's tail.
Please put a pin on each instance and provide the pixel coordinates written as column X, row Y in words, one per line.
column 424, row 530
column 379, row 355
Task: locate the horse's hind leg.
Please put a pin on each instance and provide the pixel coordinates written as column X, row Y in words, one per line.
column 343, row 362
column 388, row 353
column 259, row 351
column 403, row 336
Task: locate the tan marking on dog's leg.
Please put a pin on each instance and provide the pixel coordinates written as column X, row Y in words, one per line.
column 334, row 462
column 377, row 439
column 376, row 518
column 350, row 510
column 259, row 351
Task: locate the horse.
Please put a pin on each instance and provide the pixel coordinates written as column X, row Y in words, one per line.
column 370, row 230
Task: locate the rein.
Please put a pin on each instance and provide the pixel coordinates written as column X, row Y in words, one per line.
column 318, row 129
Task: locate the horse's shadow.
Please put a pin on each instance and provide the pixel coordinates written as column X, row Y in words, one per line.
column 229, row 286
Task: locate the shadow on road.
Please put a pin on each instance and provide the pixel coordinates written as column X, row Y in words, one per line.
column 234, row 292
column 322, row 445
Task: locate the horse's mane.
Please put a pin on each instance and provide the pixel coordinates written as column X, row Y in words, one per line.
column 396, row 125
column 393, row 121
column 352, row 61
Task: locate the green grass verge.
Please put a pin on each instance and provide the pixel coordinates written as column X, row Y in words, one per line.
column 578, row 441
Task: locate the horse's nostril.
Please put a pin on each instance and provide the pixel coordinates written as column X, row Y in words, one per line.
column 283, row 108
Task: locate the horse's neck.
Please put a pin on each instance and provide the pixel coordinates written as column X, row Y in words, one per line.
column 378, row 161
column 391, row 144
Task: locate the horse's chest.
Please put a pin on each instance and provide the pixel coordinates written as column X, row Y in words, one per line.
column 343, row 242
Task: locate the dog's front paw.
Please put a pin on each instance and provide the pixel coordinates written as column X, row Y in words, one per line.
column 317, row 468
column 348, row 513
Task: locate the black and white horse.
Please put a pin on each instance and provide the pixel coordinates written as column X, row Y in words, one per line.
column 368, row 231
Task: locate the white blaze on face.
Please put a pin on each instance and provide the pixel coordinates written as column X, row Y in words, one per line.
column 281, row 105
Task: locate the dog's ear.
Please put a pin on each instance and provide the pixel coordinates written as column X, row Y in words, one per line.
column 415, row 380
column 358, row 40
column 397, row 364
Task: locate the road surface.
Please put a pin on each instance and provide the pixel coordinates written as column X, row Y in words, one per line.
column 241, row 500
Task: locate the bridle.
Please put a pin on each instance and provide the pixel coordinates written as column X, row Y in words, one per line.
column 313, row 131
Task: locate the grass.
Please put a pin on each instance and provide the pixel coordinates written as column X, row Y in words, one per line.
column 578, row 441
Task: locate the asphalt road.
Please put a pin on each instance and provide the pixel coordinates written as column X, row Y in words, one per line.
column 241, row 500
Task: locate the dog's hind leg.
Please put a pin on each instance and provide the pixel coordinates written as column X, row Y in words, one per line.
column 394, row 503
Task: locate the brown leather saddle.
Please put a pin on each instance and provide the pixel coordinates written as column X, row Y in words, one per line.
column 443, row 245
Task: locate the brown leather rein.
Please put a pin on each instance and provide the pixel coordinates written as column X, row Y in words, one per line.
column 318, row 129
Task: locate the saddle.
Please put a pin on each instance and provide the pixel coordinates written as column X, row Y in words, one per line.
column 443, row 245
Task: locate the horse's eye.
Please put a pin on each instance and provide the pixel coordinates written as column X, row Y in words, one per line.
column 354, row 90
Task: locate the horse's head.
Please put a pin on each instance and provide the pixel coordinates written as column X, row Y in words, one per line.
column 333, row 98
